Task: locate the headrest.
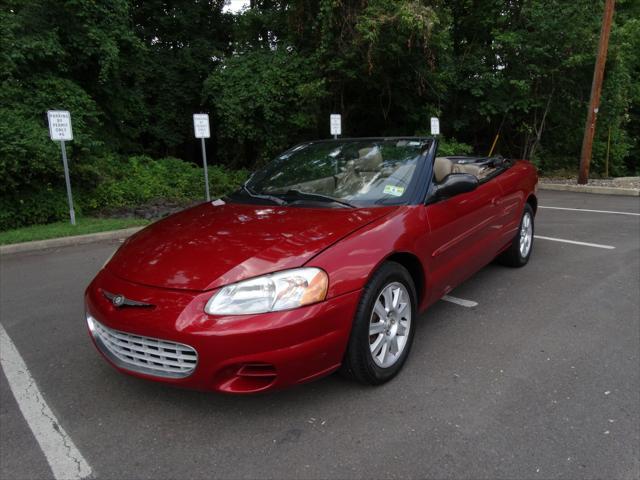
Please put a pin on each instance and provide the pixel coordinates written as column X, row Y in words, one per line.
column 370, row 159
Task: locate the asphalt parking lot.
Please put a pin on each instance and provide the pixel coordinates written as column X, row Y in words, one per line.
column 540, row 379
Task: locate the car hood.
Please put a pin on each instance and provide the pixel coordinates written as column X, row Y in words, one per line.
column 208, row 246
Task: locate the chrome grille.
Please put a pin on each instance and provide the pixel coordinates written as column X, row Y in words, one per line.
column 147, row 355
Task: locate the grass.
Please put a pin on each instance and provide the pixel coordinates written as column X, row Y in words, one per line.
column 83, row 226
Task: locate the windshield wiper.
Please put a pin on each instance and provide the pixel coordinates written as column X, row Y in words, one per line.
column 271, row 198
column 318, row 197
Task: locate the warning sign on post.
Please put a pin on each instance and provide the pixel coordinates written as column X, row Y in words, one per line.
column 201, row 125
column 60, row 125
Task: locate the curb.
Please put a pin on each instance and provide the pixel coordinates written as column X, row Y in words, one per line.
column 628, row 192
column 67, row 241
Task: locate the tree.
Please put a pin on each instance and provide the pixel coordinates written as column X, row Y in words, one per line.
column 184, row 40
column 62, row 56
column 382, row 64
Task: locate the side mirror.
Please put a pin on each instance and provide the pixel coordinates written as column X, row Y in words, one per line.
column 455, row 184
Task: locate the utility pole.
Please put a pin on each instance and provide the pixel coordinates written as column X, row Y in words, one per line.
column 596, row 89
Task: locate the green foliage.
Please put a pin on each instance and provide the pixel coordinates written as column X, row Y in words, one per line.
column 521, row 69
column 385, row 62
column 38, row 205
column 265, row 101
column 183, row 41
column 450, row 146
column 524, row 69
column 141, row 179
column 111, row 183
column 132, row 73
column 620, row 107
column 28, row 157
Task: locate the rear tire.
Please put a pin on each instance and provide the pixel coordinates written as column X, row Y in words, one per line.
column 383, row 327
column 519, row 252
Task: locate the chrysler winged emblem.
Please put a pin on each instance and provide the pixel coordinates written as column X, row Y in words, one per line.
column 118, row 300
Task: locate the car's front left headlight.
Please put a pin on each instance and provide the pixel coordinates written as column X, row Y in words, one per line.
column 270, row 293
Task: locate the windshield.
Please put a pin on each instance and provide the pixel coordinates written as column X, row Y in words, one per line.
column 356, row 172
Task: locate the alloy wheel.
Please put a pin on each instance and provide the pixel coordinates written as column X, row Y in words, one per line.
column 526, row 235
column 389, row 324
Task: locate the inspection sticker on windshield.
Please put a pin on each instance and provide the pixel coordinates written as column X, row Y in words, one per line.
column 393, row 190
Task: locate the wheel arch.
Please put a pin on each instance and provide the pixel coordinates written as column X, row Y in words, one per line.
column 414, row 267
column 533, row 201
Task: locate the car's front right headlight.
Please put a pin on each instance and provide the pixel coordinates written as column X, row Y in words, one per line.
column 269, row 293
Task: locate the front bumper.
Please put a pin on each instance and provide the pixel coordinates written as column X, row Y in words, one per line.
column 235, row 354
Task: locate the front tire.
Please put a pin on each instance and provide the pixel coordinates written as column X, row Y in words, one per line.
column 519, row 252
column 383, row 327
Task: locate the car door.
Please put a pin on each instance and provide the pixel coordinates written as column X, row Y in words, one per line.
column 462, row 238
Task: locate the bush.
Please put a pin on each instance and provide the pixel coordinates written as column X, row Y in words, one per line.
column 141, row 179
column 29, row 207
column 28, row 158
column 264, row 102
column 450, row 146
column 111, row 183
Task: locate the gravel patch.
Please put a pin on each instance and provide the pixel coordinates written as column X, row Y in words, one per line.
column 619, row 182
column 152, row 211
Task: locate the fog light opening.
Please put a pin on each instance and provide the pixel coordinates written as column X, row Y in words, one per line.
column 246, row 378
column 256, row 370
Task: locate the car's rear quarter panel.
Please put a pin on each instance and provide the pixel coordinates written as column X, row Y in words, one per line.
column 518, row 184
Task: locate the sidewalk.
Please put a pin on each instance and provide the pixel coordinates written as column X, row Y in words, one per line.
column 627, row 186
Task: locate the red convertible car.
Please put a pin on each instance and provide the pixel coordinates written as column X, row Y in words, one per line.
column 323, row 260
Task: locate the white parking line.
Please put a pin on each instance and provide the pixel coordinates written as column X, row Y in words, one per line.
column 592, row 211
column 573, row 242
column 65, row 460
column 460, row 301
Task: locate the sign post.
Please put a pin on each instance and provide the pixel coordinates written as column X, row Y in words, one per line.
column 336, row 124
column 202, row 131
column 60, row 130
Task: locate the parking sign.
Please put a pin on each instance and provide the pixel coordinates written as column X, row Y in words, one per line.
column 60, row 131
column 201, row 125
column 435, row 126
column 336, row 124
column 60, row 125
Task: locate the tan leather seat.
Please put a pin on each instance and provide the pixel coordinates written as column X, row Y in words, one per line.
column 467, row 168
column 370, row 160
column 477, row 171
column 359, row 172
column 442, row 167
column 324, row 185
